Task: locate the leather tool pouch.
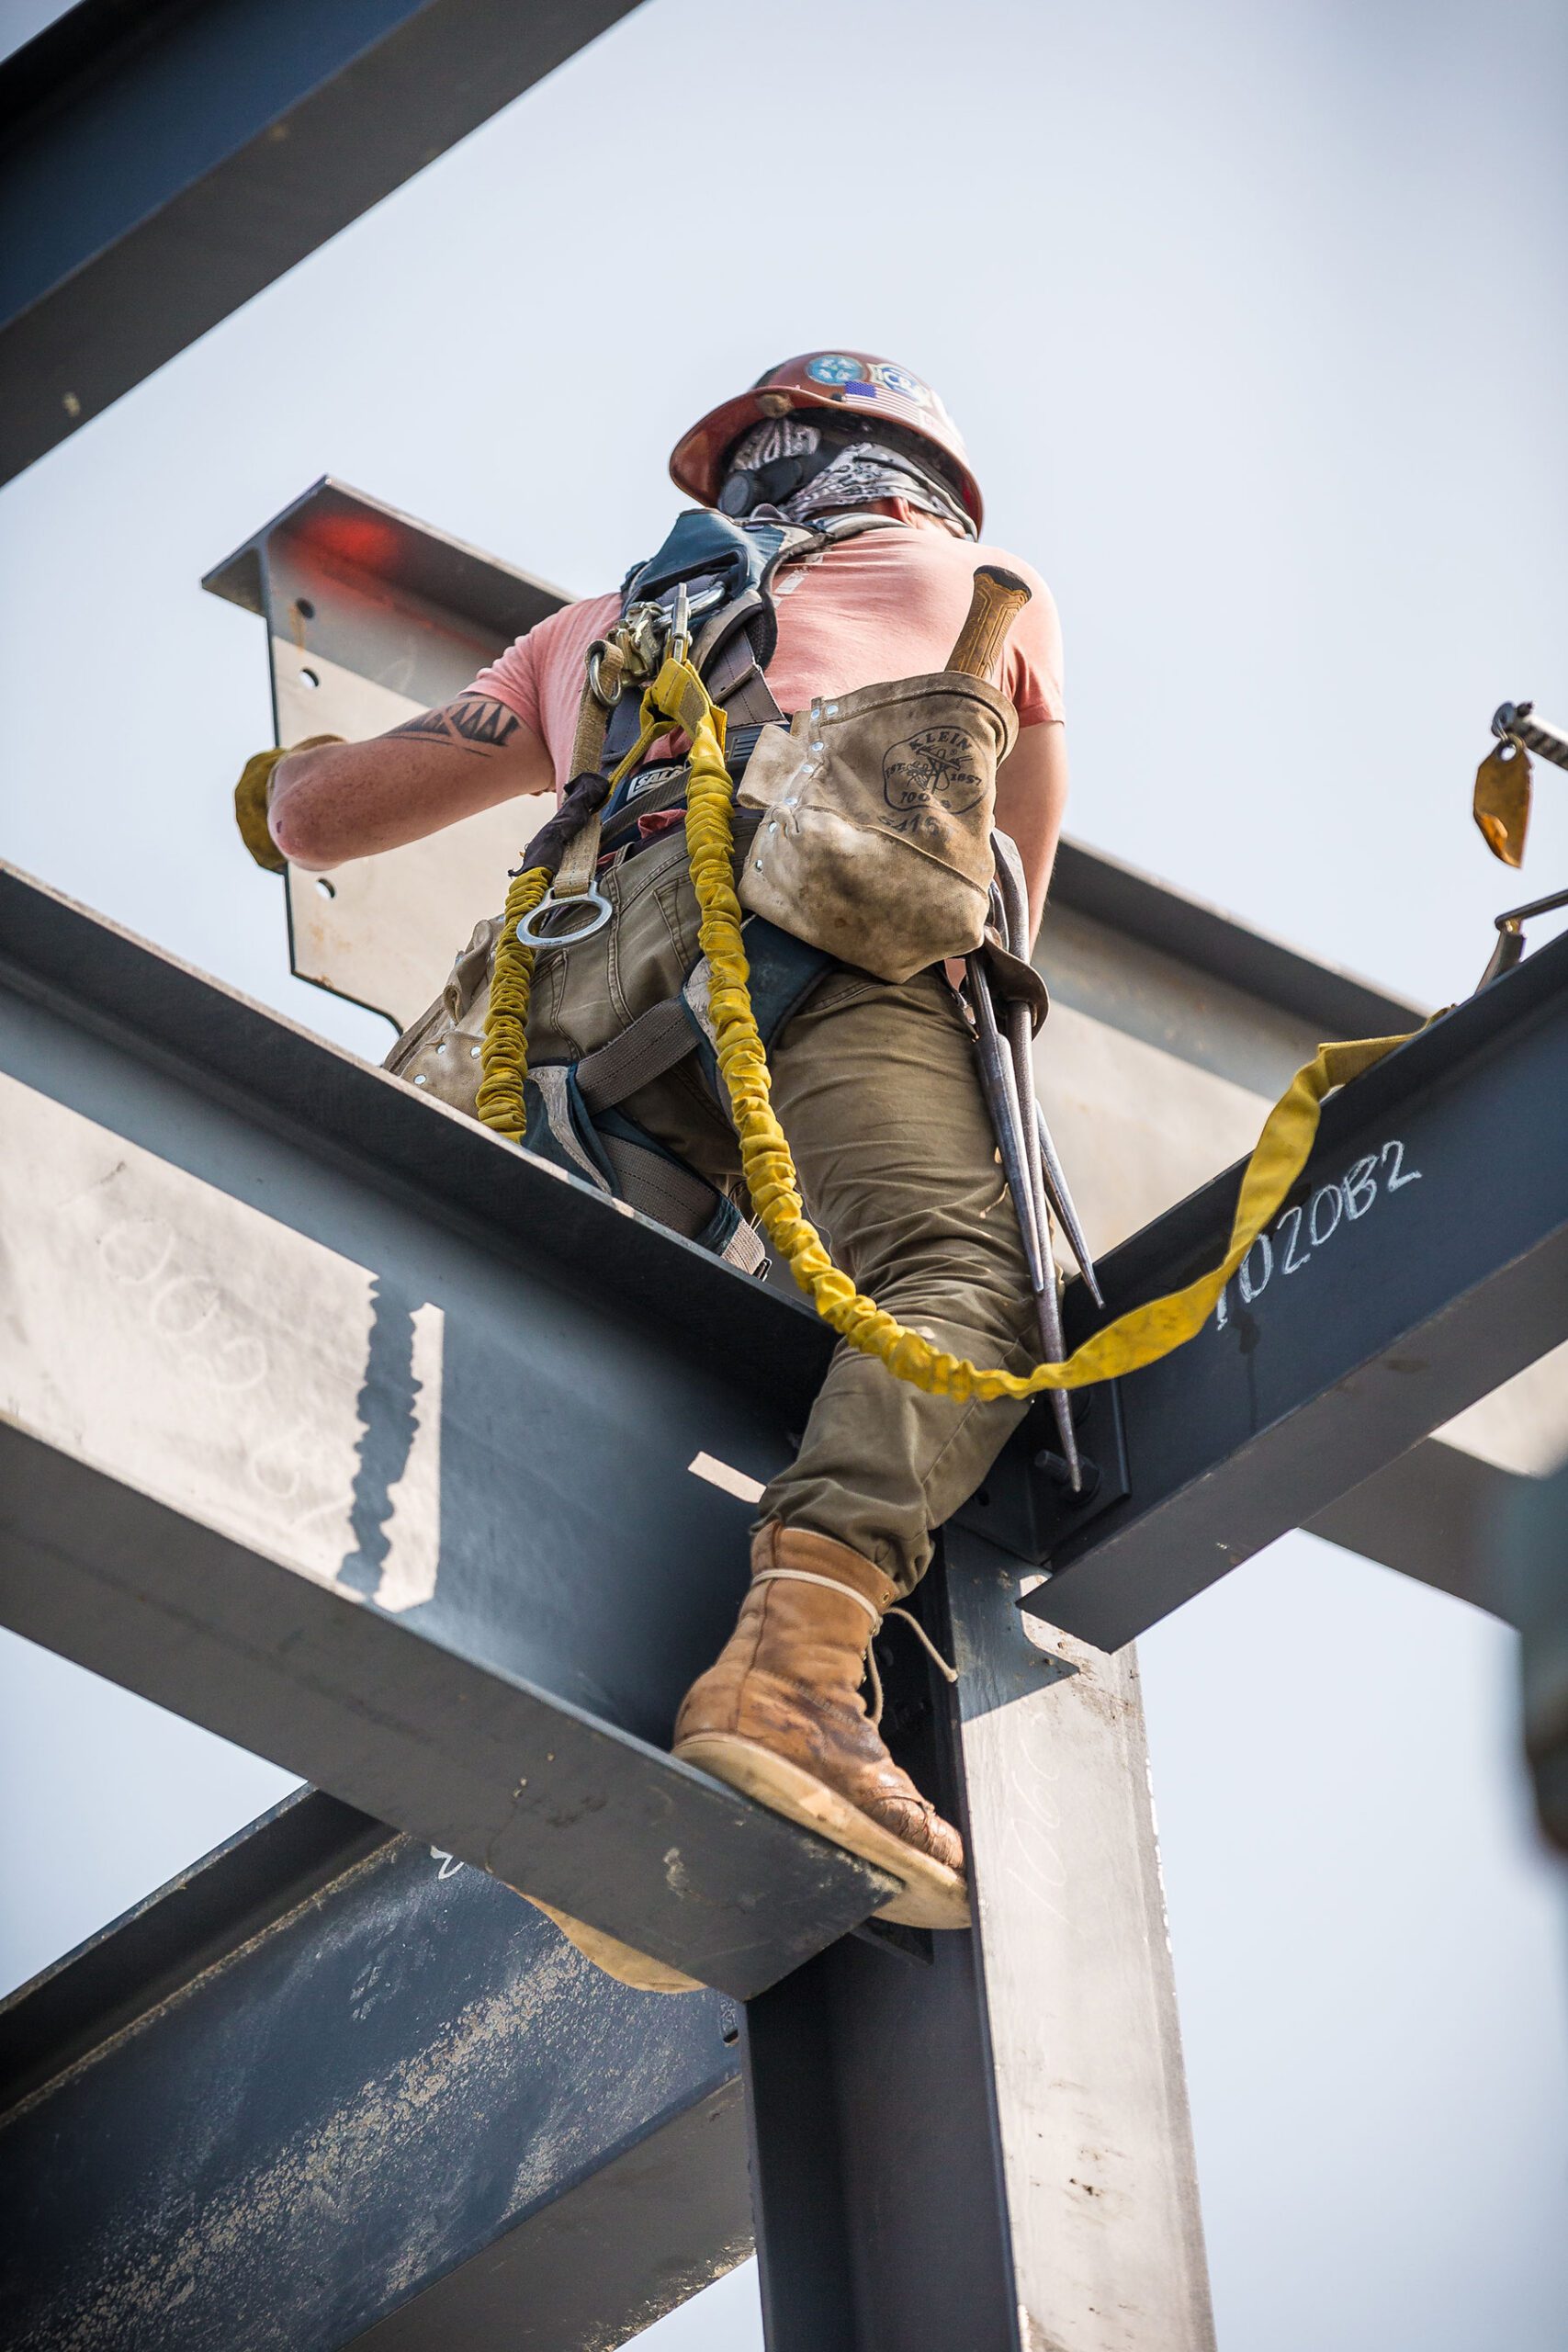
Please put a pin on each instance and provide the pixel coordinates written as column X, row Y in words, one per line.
column 874, row 843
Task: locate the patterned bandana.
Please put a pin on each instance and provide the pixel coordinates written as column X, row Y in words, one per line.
column 857, row 473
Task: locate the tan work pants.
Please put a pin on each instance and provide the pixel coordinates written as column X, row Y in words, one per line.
column 877, row 1091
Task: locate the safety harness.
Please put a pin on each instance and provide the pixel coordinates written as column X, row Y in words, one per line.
column 735, row 1023
column 709, row 590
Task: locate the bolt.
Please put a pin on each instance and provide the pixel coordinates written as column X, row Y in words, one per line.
column 1056, row 1469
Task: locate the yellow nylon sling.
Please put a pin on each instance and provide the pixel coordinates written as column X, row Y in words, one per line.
column 1139, row 1336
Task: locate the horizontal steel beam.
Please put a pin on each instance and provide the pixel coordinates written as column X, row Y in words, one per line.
column 162, row 161
column 429, row 590
column 1421, row 1261
column 337, row 1425
column 1202, row 939
column 328, row 2088
column 1431, row 1513
column 344, row 1429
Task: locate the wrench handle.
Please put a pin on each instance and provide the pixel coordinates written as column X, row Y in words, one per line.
column 999, row 596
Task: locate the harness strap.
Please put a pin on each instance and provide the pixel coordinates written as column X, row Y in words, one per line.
column 619, row 1159
column 654, row 1042
column 654, row 1182
column 661, row 1188
column 574, row 876
column 552, row 1083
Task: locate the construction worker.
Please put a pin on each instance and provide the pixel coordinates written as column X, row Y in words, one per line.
column 848, row 470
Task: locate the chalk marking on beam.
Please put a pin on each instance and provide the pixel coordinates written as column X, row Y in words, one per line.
column 731, row 1482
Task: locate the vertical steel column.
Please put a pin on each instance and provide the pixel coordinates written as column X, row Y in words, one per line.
column 981, row 2143
column 877, row 2167
column 1529, row 1551
column 1091, row 2099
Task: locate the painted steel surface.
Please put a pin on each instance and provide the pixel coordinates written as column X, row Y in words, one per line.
column 329, row 2083
column 384, row 1465
column 164, row 162
column 984, row 2140
column 372, row 617
column 1421, row 1260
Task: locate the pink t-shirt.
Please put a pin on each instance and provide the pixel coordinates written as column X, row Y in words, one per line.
column 885, row 605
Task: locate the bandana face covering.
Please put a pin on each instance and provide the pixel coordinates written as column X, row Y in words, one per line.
column 787, row 471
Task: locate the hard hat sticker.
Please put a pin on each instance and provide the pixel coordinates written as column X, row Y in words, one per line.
column 899, row 380
column 835, row 368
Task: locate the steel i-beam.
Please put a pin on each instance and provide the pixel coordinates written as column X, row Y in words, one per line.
column 982, row 2142
column 370, row 618
column 340, row 1427
column 162, row 161
column 357, row 1435
column 1421, row 1261
column 331, row 2087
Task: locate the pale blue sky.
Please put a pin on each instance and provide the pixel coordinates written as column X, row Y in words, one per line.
column 1253, row 318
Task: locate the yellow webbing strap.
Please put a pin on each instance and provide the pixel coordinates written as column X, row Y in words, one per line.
column 1140, row 1336
column 503, row 1056
column 1137, row 1338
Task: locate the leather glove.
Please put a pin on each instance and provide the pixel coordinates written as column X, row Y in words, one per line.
column 252, row 793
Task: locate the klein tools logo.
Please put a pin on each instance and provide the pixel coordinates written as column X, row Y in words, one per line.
column 930, row 776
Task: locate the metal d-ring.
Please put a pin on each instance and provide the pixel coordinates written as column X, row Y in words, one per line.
column 601, row 692
column 530, row 930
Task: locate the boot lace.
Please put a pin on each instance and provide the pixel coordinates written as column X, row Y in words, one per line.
column 878, row 1618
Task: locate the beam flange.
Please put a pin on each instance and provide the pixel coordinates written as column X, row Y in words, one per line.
column 303, row 1428
column 163, row 161
column 325, row 2039
column 1421, row 1261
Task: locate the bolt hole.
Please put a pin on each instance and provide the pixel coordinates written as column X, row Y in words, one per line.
column 308, row 678
column 303, row 606
column 732, row 2034
column 328, row 889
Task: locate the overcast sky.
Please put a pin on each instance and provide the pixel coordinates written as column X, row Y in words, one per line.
column 1253, row 318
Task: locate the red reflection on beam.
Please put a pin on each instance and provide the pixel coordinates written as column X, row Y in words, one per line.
column 362, row 540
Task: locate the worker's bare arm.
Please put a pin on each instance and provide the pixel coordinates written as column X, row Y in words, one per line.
column 349, row 800
column 1031, row 798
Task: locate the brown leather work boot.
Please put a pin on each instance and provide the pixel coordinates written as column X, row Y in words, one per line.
column 780, row 1716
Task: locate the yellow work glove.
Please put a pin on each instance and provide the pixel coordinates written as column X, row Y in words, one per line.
column 254, row 790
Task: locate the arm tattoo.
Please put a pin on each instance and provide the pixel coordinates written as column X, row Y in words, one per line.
column 472, row 723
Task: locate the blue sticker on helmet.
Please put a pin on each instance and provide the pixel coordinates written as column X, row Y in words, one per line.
column 835, row 368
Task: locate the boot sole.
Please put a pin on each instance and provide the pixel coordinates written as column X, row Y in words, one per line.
column 638, row 1969
column 933, row 1897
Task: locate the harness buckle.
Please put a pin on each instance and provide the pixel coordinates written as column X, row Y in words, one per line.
column 531, row 931
column 681, row 623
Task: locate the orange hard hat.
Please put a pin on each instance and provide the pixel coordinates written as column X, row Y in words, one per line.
column 852, row 383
